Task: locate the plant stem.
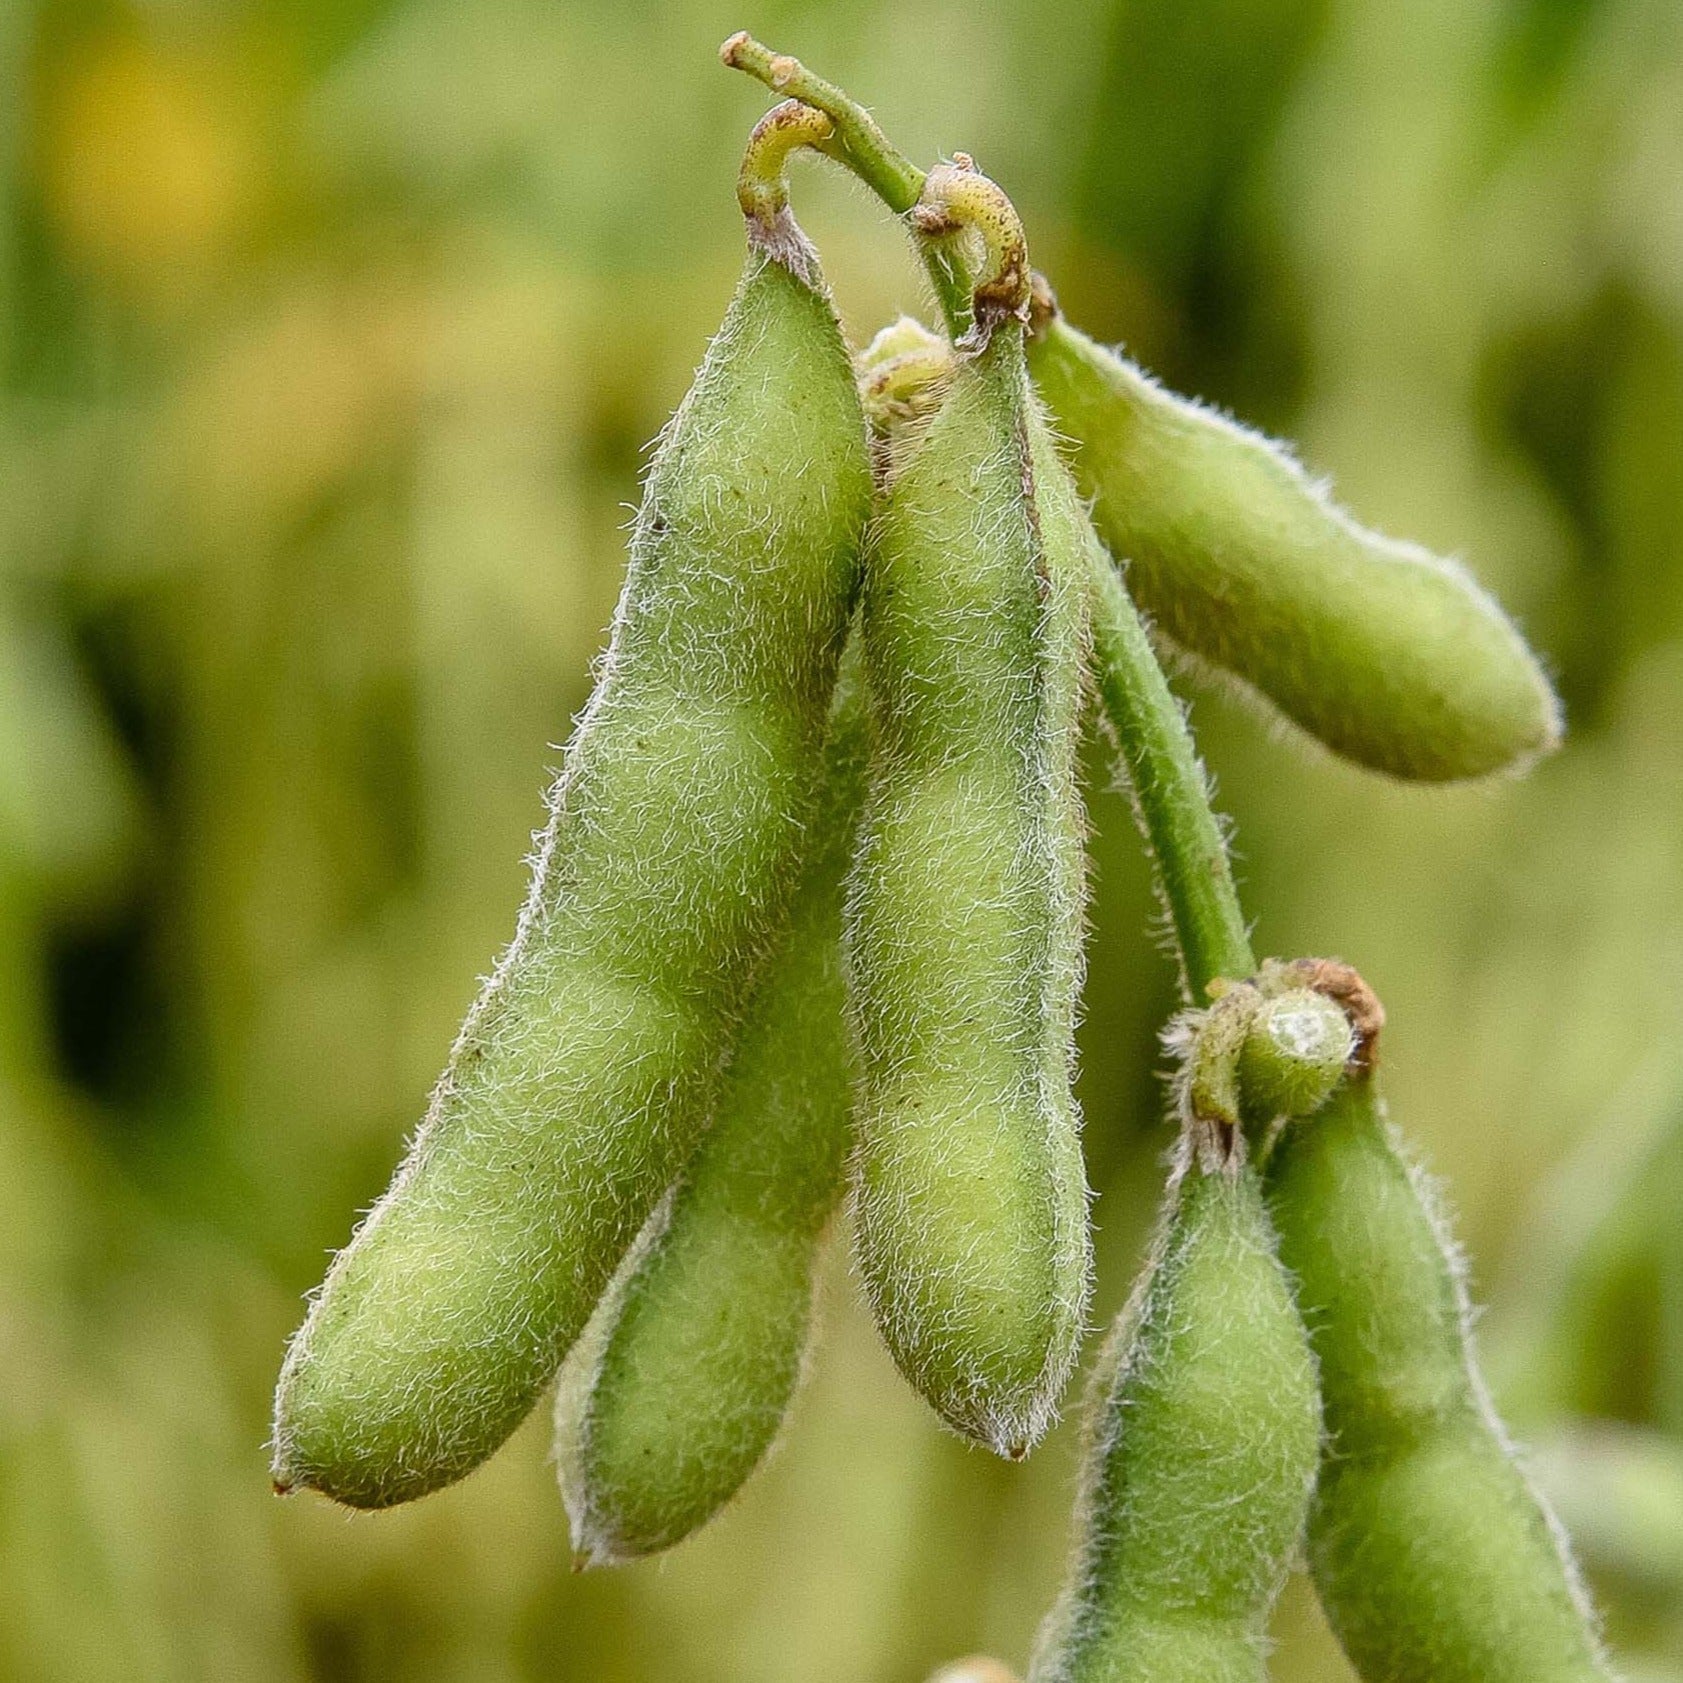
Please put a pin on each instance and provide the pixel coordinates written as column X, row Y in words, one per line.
column 1182, row 832
column 957, row 197
column 762, row 185
column 865, row 149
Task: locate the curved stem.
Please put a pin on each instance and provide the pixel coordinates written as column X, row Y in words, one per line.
column 762, row 184
column 956, row 197
column 864, row 148
column 891, row 174
column 1182, row 832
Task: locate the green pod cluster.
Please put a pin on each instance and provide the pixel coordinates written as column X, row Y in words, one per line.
column 1204, row 1438
column 587, row 1070
column 1387, row 654
column 706, row 1334
column 1436, row 1560
column 964, row 914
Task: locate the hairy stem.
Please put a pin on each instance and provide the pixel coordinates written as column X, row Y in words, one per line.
column 1182, row 831
column 865, row 149
column 762, row 185
column 957, row 198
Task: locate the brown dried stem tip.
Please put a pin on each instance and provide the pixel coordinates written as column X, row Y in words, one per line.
column 1343, row 984
column 957, row 198
column 762, row 184
column 1043, row 305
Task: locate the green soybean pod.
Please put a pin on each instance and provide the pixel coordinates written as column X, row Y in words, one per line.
column 707, row 1334
column 1387, row 654
column 1436, row 1560
column 587, row 1070
column 964, row 912
column 1201, row 1455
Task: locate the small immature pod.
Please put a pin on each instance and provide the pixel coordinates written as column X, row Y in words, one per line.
column 707, row 1334
column 1392, row 657
column 1201, row 1456
column 964, row 910
column 903, row 374
column 1294, row 1054
column 585, row 1073
column 1436, row 1560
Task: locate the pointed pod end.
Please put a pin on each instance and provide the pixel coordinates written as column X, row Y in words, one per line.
column 778, row 236
column 903, row 374
column 1042, row 305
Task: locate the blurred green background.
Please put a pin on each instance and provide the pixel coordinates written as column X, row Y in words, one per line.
column 330, row 335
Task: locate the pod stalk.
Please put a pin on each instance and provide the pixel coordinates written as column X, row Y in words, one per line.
column 956, row 198
column 863, row 147
column 762, row 184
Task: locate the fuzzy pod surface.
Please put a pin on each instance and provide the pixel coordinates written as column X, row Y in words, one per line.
column 1389, row 655
column 586, row 1071
column 1436, row 1560
column 707, row 1334
column 1201, row 1455
column 964, row 912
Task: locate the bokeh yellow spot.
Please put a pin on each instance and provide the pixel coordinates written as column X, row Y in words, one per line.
column 148, row 166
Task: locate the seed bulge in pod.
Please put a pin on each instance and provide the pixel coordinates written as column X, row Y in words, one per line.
column 1434, row 1557
column 703, row 1339
column 1204, row 1436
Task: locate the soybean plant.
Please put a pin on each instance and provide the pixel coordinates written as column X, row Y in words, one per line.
column 586, row 1071
column 1436, row 1561
column 669, row 1018
column 964, row 909
column 703, row 1341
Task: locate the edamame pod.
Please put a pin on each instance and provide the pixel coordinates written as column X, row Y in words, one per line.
column 585, row 1073
column 1389, row 655
column 707, row 1334
column 964, row 912
column 1201, row 1456
column 1436, row 1560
